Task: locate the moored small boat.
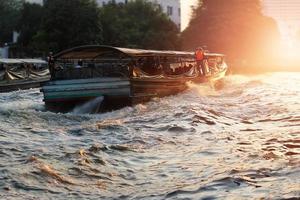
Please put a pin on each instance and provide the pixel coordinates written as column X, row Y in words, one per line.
column 18, row 74
column 122, row 76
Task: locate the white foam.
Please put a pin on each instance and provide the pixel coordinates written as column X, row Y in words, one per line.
column 88, row 107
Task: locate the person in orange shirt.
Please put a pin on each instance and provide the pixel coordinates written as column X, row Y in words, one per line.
column 199, row 55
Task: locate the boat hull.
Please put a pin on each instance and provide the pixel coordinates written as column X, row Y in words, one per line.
column 22, row 85
column 144, row 89
column 65, row 95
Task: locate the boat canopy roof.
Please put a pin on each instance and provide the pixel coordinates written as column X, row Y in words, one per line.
column 20, row 61
column 10, row 61
column 97, row 51
column 33, row 61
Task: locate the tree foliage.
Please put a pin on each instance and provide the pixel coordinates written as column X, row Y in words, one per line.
column 9, row 15
column 69, row 23
column 138, row 24
column 61, row 24
column 29, row 23
column 234, row 27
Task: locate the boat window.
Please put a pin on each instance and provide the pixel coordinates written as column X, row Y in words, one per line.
column 91, row 68
column 149, row 65
column 216, row 61
column 177, row 65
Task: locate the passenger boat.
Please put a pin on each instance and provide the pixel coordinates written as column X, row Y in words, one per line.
column 121, row 76
column 18, row 74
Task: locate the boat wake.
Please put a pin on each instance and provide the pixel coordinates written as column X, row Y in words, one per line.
column 206, row 89
column 88, row 107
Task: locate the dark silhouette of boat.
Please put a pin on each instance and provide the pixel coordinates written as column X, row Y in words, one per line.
column 122, row 76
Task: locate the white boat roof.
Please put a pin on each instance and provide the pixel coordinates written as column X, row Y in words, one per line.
column 95, row 51
column 34, row 61
column 10, row 61
column 19, row 61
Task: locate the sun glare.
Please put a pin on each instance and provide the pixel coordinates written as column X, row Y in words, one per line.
column 287, row 15
column 290, row 47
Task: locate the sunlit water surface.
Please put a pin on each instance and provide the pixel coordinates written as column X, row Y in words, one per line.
column 240, row 142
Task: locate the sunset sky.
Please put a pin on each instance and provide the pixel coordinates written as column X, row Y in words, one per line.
column 187, row 11
column 285, row 12
column 287, row 15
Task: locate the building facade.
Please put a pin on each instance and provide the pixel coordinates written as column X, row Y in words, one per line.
column 36, row 1
column 4, row 51
column 1, row 52
column 171, row 7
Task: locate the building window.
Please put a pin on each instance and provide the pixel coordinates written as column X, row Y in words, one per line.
column 179, row 12
column 169, row 10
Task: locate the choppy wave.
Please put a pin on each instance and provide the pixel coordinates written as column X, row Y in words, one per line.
column 240, row 142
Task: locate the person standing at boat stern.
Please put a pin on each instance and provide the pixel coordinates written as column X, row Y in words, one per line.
column 51, row 64
column 199, row 55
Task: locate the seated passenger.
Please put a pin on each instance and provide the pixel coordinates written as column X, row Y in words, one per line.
column 79, row 64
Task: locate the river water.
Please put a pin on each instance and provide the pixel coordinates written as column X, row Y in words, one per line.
column 240, row 142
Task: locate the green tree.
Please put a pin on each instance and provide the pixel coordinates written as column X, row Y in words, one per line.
column 9, row 14
column 69, row 23
column 29, row 23
column 138, row 24
column 234, row 27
